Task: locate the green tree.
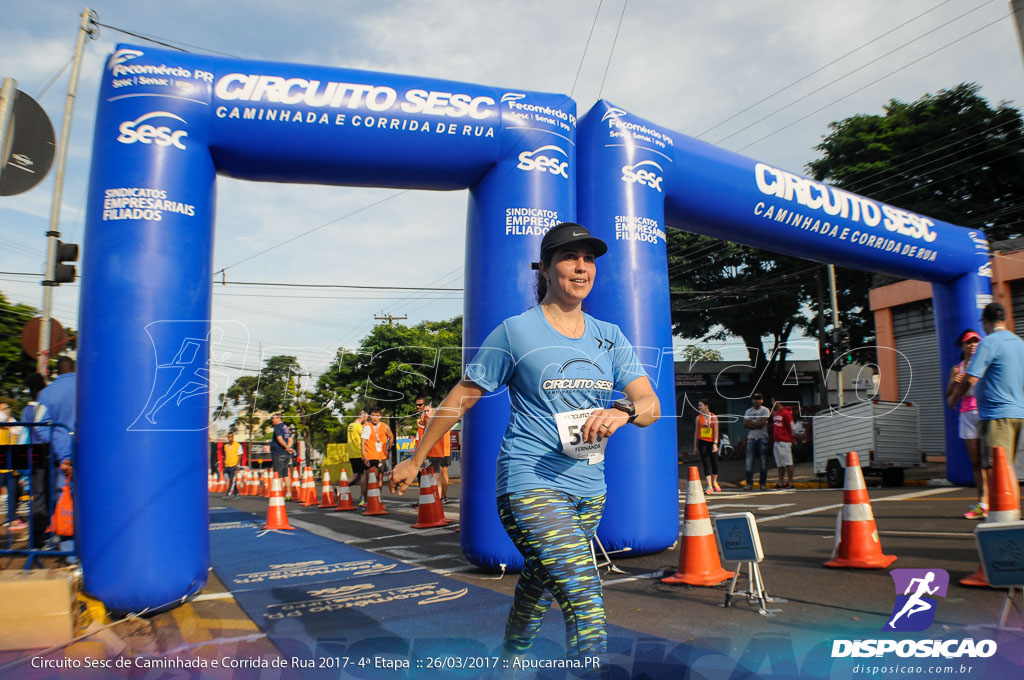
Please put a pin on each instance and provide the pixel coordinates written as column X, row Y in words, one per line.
column 950, row 156
column 15, row 365
column 273, row 389
column 394, row 365
column 694, row 353
column 238, row 404
column 721, row 289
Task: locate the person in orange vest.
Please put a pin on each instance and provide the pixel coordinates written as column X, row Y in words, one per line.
column 440, row 456
column 377, row 439
column 705, row 443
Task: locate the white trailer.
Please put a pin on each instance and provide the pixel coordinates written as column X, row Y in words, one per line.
column 883, row 433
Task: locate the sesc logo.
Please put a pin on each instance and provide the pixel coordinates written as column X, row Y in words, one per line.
column 915, row 611
column 639, row 174
column 612, row 113
column 121, row 56
column 538, row 161
column 139, row 130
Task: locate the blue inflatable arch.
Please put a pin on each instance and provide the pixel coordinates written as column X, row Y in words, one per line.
column 640, row 177
column 168, row 123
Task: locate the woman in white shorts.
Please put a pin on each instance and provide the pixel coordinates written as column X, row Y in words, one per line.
column 968, row 408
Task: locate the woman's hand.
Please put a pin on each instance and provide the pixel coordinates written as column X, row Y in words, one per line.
column 602, row 424
column 404, row 474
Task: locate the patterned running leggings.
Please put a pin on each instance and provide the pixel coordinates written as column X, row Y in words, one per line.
column 552, row 530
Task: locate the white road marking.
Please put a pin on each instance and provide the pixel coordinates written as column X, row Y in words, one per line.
column 213, row 596
column 749, row 506
column 826, row 508
column 653, row 574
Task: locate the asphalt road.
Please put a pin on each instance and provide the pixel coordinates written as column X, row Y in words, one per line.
column 923, row 526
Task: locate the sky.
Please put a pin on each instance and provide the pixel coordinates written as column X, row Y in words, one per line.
column 761, row 78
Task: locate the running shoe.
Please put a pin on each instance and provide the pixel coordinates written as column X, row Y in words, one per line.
column 362, row 502
column 18, row 525
column 709, row 490
column 976, row 512
column 718, row 489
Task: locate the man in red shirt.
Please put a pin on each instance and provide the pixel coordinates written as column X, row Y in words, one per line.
column 782, row 422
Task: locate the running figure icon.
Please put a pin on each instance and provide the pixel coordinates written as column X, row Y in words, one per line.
column 191, row 367
column 916, row 603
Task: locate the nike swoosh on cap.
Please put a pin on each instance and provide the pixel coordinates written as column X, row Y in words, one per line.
column 579, row 233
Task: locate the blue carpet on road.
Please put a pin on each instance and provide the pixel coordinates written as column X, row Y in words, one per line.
column 319, row 599
column 325, row 604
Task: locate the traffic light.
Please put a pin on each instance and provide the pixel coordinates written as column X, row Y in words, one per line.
column 841, row 340
column 65, row 273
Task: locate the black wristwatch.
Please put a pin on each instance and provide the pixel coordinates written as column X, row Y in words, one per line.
column 627, row 407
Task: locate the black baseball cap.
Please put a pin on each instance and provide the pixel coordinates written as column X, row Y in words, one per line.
column 570, row 233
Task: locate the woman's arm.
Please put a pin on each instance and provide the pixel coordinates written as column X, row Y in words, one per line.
column 604, row 422
column 951, row 387
column 696, row 433
column 461, row 398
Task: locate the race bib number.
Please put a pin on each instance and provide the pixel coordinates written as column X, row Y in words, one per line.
column 705, row 433
column 570, row 432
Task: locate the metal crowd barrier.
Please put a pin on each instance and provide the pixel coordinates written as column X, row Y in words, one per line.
column 31, row 459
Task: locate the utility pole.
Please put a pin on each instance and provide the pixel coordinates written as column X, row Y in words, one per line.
column 8, row 93
column 1017, row 7
column 835, row 324
column 390, row 319
column 86, row 29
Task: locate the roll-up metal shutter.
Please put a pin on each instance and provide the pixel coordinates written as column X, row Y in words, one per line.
column 914, row 328
column 1017, row 300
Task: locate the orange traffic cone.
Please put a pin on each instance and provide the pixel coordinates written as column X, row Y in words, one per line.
column 266, row 483
column 277, row 516
column 431, row 512
column 296, row 486
column 859, row 545
column 344, row 495
column 373, row 503
column 1002, row 507
column 309, row 493
column 209, row 483
column 252, row 484
column 222, row 483
column 327, row 498
column 698, row 553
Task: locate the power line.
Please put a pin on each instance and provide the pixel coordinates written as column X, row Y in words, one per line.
column 585, row 48
column 329, row 297
column 822, row 68
column 164, row 41
column 307, row 233
column 876, row 81
column 612, row 50
column 850, row 73
column 331, row 285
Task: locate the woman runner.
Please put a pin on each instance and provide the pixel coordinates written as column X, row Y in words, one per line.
column 561, row 367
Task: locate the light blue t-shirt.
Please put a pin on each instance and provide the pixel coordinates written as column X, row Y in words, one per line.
column 547, row 373
column 998, row 364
